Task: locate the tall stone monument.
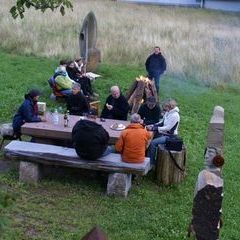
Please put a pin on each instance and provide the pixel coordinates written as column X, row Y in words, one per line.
column 87, row 42
column 207, row 202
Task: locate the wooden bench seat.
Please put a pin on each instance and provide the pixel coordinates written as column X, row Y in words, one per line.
column 33, row 155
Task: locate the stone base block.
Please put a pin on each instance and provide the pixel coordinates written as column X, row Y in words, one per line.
column 94, row 57
column 29, row 172
column 6, row 129
column 119, row 184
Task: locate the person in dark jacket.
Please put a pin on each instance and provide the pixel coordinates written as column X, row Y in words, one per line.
column 150, row 111
column 27, row 112
column 77, row 103
column 79, row 77
column 90, row 140
column 116, row 106
column 155, row 66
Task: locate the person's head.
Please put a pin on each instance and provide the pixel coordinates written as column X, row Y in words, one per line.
column 115, row 92
column 63, row 62
column 169, row 105
column 62, row 69
column 34, row 94
column 156, row 50
column 135, row 118
column 79, row 61
column 151, row 102
column 76, row 88
column 71, row 64
column 213, row 158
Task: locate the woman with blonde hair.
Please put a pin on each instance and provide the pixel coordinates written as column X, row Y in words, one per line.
column 166, row 128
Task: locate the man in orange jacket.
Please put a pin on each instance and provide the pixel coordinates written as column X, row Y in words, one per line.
column 133, row 141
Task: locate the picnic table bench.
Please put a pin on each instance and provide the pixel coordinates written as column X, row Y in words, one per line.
column 33, row 156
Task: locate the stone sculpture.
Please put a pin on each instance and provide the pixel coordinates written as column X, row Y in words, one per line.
column 87, row 42
column 206, row 212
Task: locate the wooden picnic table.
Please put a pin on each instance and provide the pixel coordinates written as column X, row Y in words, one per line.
column 47, row 132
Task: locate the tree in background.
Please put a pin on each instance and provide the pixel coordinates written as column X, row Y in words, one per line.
column 19, row 8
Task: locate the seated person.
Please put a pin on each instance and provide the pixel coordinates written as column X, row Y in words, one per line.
column 133, row 141
column 79, row 77
column 81, row 65
column 27, row 112
column 62, row 81
column 77, row 103
column 167, row 128
column 150, row 111
column 62, row 63
column 73, row 71
column 90, row 140
column 116, row 106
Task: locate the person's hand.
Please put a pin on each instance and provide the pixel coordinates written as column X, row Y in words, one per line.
column 109, row 107
column 190, row 230
column 43, row 119
column 149, row 127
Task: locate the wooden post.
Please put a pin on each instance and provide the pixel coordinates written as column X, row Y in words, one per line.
column 141, row 89
column 167, row 172
column 137, row 96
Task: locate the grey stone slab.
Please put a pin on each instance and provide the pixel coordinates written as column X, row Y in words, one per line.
column 215, row 137
column 56, row 155
column 29, row 172
column 119, row 184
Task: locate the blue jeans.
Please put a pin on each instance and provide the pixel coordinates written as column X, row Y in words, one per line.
column 153, row 147
column 156, row 76
column 108, row 150
column 66, row 92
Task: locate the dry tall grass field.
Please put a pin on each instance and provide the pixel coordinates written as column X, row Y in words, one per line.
column 198, row 44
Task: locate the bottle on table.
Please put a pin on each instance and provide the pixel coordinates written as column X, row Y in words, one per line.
column 66, row 119
column 55, row 117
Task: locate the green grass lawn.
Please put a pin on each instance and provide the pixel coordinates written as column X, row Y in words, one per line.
column 65, row 207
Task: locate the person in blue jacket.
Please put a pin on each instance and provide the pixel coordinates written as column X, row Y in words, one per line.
column 155, row 66
column 27, row 112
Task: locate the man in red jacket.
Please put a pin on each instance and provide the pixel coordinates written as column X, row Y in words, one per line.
column 133, row 141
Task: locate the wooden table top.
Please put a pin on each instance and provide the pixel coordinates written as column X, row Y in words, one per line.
column 48, row 130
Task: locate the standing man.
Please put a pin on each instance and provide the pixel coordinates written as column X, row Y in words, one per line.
column 116, row 106
column 155, row 66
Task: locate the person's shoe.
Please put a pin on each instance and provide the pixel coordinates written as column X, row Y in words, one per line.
column 53, row 97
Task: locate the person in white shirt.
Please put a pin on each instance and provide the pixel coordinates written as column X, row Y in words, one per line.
column 166, row 128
